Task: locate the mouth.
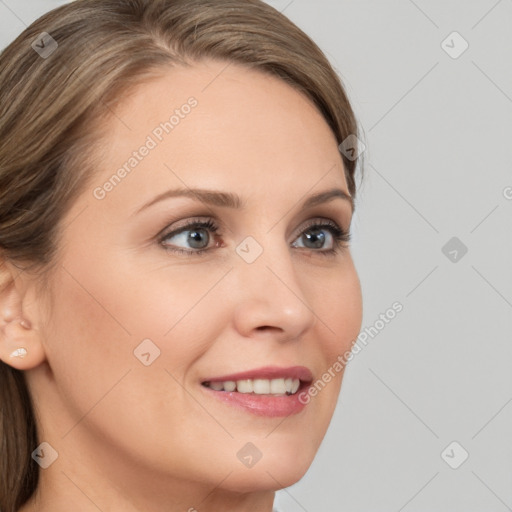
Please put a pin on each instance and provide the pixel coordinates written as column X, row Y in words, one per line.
column 278, row 387
column 269, row 391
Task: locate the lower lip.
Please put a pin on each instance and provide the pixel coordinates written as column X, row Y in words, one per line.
column 261, row 405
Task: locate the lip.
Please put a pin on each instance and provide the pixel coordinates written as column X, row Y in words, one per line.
column 263, row 405
column 267, row 372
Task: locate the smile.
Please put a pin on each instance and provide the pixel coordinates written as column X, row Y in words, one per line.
column 280, row 386
column 269, row 391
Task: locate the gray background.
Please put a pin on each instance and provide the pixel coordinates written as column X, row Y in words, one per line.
column 438, row 155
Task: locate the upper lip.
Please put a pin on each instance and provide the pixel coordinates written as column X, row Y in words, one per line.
column 267, row 372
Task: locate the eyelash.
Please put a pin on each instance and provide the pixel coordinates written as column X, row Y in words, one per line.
column 341, row 237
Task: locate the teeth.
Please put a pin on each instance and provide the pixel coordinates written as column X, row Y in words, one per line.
column 229, row 385
column 261, row 386
column 258, row 386
column 277, row 386
column 244, row 386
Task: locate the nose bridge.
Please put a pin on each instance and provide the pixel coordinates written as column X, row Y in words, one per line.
column 266, row 263
column 270, row 294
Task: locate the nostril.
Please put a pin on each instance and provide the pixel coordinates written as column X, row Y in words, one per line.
column 264, row 327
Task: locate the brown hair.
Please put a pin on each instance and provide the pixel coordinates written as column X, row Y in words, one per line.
column 51, row 105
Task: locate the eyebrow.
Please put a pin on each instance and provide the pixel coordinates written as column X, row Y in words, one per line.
column 229, row 200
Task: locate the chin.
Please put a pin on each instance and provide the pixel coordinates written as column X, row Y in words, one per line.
column 275, row 470
column 266, row 478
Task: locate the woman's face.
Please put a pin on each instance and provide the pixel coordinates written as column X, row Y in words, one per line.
column 141, row 319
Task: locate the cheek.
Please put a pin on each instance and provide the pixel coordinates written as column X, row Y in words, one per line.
column 339, row 311
column 86, row 342
column 116, row 305
column 100, row 384
column 339, row 305
column 101, row 315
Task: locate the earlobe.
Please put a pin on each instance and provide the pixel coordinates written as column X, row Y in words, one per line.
column 20, row 343
column 20, row 347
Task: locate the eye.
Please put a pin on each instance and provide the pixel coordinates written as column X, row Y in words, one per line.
column 317, row 234
column 195, row 234
column 321, row 236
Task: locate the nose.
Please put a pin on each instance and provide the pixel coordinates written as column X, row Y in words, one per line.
column 270, row 299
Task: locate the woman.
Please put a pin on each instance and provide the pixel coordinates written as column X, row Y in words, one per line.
column 176, row 198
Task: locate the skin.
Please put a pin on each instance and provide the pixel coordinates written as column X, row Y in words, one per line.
column 133, row 437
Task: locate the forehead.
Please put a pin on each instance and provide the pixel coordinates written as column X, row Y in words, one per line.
column 217, row 124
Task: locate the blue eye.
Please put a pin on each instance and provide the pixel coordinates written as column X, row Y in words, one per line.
column 195, row 233
column 314, row 235
column 195, row 236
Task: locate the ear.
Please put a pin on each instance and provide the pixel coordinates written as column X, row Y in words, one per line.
column 20, row 342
